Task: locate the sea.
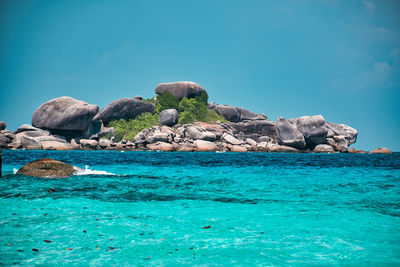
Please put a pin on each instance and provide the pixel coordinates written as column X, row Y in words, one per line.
column 202, row 209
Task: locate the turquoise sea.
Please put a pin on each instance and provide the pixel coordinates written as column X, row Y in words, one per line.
column 202, row 209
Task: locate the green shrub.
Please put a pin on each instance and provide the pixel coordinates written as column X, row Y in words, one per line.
column 166, row 101
column 195, row 109
column 149, row 100
column 129, row 129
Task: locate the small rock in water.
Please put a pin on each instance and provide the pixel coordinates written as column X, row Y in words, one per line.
column 207, row 227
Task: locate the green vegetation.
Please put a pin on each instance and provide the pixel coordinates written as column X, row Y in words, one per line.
column 190, row 110
column 149, row 100
column 129, row 129
column 166, row 101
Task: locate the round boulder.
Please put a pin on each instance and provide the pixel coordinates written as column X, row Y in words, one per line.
column 381, row 150
column 168, row 117
column 313, row 128
column 289, row 135
column 323, row 149
column 124, row 108
column 47, row 168
column 64, row 113
column 181, row 89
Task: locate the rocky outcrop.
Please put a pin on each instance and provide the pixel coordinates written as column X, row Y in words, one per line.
column 359, row 151
column 349, row 133
column 125, row 108
column 313, row 128
column 168, row 117
column 289, row 135
column 161, row 146
column 381, row 150
column 2, row 125
column 323, row 149
column 256, row 129
column 235, row 114
column 6, row 139
column 181, row 89
column 202, row 145
column 65, row 116
column 47, row 168
column 339, row 143
column 153, row 135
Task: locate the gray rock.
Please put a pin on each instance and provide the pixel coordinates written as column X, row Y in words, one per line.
column 138, row 97
column 103, row 132
column 199, row 133
column 235, row 114
column 168, row 117
column 88, row 143
column 257, row 128
column 313, row 128
column 349, row 133
column 289, row 135
column 181, row 89
column 29, row 143
column 251, row 142
column 339, row 143
column 265, row 139
column 2, row 125
column 227, row 138
column 125, row 108
column 154, row 134
column 104, row 143
column 64, row 114
column 323, row 149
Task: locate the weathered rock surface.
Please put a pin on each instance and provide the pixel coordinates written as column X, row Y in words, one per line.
column 64, row 115
column 256, row 128
column 235, row 114
column 199, row 133
column 6, row 139
column 104, row 143
column 161, row 146
column 2, row 125
column 282, row 149
column 339, row 143
column 359, row 151
column 381, row 150
column 289, row 135
column 168, row 117
column 313, row 128
column 47, row 168
column 349, row 133
column 154, row 134
column 237, row 148
column 88, row 143
column 125, row 108
column 181, row 89
column 230, row 139
column 56, row 145
column 323, row 149
column 202, row 145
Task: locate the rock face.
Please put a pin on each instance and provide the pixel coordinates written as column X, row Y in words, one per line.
column 235, row 114
column 2, row 125
column 313, row 128
column 255, row 129
column 64, row 115
column 349, row 133
column 381, row 150
column 201, row 145
column 323, row 149
column 125, row 108
column 181, row 89
column 168, row 117
column 6, row 139
column 289, row 135
column 47, row 168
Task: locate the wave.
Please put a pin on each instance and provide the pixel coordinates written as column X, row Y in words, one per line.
column 88, row 171
column 15, row 170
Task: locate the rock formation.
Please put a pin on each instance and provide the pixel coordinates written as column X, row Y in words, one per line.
column 180, row 89
column 168, row 117
column 47, row 168
column 235, row 114
column 289, row 135
column 381, row 150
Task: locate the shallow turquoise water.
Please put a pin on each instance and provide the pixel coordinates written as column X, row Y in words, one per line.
column 262, row 209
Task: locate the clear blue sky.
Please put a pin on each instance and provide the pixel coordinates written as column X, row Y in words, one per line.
column 340, row 59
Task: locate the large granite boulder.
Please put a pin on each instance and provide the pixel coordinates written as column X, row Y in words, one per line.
column 202, row 145
column 289, row 135
column 168, row 117
column 2, row 125
column 31, row 131
column 181, row 89
column 64, row 116
column 161, row 146
column 235, row 114
column 349, row 133
column 124, row 108
column 199, row 133
column 313, row 128
column 47, row 168
column 323, row 149
column 255, row 129
column 338, row 142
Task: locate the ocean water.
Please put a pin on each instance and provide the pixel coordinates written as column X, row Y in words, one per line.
column 202, row 209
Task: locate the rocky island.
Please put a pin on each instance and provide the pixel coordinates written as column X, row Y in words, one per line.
column 178, row 118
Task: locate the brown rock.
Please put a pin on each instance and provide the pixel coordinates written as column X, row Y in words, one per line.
column 236, row 148
column 47, row 168
column 55, row 145
column 381, row 150
column 282, row 149
column 161, row 146
column 201, row 145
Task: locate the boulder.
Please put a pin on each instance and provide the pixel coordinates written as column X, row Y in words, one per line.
column 64, row 116
column 30, row 128
column 313, row 128
column 154, row 134
column 28, row 143
column 251, row 142
column 359, row 151
column 349, row 133
column 6, row 139
column 237, row 148
column 47, row 168
column 381, row 150
column 181, row 89
column 230, row 139
column 138, row 97
column 323, row 149
column 235, row 114
column 161, row 146
column 202, row 145
column 257, row 128
column 339, row 143
column 2, row 125
column 168, row 117
column 185, row 147
column 281, row 149
column 55, row 145
column 289, row 135
column 125, row 108
column 265, row 139
column 104, row 143
column 199, row 133
column 216, row 128
column 88, row 143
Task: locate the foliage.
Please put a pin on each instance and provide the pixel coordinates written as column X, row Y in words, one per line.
column 166, row 101
column 149, row 100
column 202, row 98
column 129, row 129
column 195, row 109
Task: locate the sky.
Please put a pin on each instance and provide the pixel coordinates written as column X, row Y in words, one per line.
column 283, row 58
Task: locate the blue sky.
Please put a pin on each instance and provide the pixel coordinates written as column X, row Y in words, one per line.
column 340, row 59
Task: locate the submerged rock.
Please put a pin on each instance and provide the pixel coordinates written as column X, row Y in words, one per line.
column 181, row 89
column 381, row 150
column 47, row 168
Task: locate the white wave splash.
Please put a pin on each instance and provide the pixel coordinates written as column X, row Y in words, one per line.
column 88, row 171
column 15, row 170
